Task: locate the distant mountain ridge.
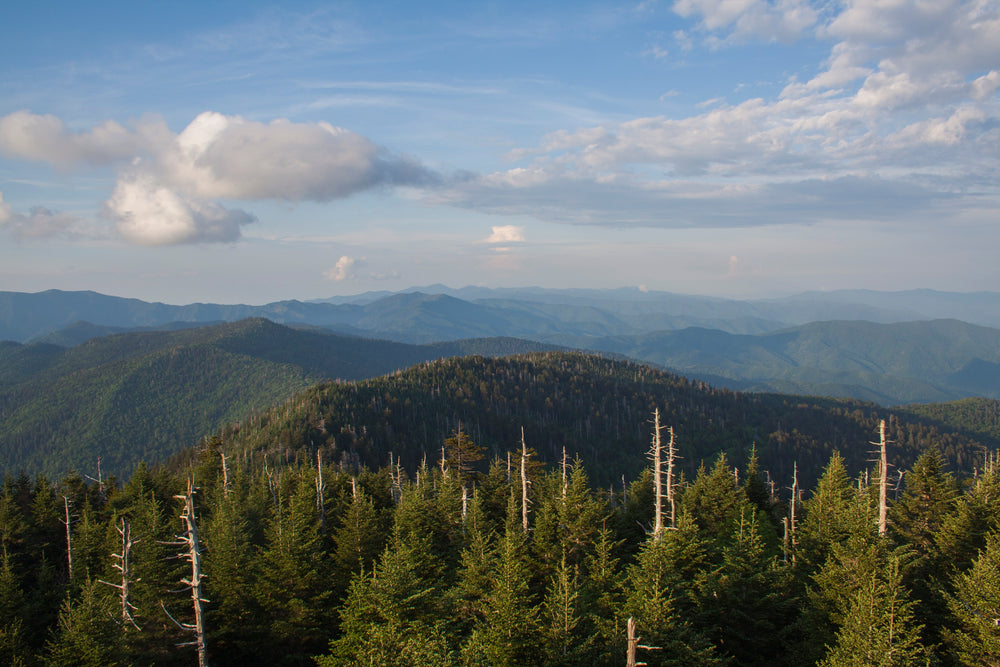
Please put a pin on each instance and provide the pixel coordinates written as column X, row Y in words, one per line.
column 844, row 344
column 145, row 395
column 440, row 313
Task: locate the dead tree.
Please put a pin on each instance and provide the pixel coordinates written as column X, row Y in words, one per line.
column 565, row 478
column 655, row 454
column 883, row 479
column 100, row 481
column 633, row 644
column 226, row 486
column 671, row 455
column 524, row 483
column 123, row 566
column 790, row 521
column 320, row 490
column 191, row 551
column 69, row 539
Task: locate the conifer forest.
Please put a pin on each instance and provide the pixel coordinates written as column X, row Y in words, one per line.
column 314, row 535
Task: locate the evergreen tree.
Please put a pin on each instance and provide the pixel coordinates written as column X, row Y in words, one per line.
column 388, row 617
column 87, row 635
column 714, row 499
column 508, row 632
column 878, row 629
column 745, row 604
column 654, row 585
column 974, row 633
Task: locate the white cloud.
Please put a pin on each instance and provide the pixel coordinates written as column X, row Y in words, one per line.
column 147, row 213
column 228, row 157
column 905, row 106
column 342, row 270
column 45, row 138
column 506, row 234
column 168, row 184
column 41, row 223
column 780, row 20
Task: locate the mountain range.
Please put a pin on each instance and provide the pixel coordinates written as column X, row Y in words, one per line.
column 888, row 347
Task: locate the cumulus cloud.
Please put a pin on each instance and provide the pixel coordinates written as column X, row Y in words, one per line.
column 45, row 138
column 169, row 185
column 146, row 212
column 342, row 270
column 506, row 234
column 219, row 156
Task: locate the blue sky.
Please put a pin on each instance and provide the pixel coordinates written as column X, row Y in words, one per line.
column 246, row 152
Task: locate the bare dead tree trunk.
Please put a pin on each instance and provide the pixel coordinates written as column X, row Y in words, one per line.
column 565, row 478
column 123, row 566
column 883, row 479
column 655, row 454
column 633, row 643
column 465, row 503
column 99, row 479
column 786, row 540
column 524, row 483
column 320, row 489
column 192, row 552
column 69, row 539
column 225, row 474
column 671, row 455
column 795, row 502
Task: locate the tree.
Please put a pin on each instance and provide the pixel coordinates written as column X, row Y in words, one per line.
column 507, row 632
column 388, row 616
column 878, row 629
column 462, row 454
column 87, row 634
column 974, row 633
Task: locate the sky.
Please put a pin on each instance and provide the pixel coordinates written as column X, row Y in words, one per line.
column 251, row 152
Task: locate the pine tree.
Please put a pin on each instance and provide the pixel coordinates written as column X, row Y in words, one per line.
column 87, row 634
column 508, row 631
column 745, row 604
column 655, row 585
column 388, row 616
column 878, row 629
column 565, row 639
column 974, row 633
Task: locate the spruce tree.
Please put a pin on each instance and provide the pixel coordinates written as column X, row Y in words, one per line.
column 878, row 629
column 973, row 636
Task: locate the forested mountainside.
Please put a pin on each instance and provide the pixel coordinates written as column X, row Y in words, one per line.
column 511, row 563
column 597, row 408
column 891, row 364
column 144, row 396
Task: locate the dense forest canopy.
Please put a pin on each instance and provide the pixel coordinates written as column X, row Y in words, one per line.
column 486, row 511
column 596, row 407
column 509, row 562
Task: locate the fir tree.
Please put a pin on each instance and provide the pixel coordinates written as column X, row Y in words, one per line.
column 974, row 638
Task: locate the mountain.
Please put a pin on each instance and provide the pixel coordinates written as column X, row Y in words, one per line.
column 847, row 343
column 597, row 408
column 440, row 313
column 134, row 396
column 892, row 364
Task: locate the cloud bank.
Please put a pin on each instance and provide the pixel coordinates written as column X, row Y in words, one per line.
column 902, row 116
column 169, row 185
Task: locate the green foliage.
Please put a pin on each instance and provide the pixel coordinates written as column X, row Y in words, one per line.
column 974, row 637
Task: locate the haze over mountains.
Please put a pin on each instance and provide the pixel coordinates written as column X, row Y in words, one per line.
column 887, row 347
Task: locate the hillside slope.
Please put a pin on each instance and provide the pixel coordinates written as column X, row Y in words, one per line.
column 144, row 396
column 597, row 408
column 892, row 364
